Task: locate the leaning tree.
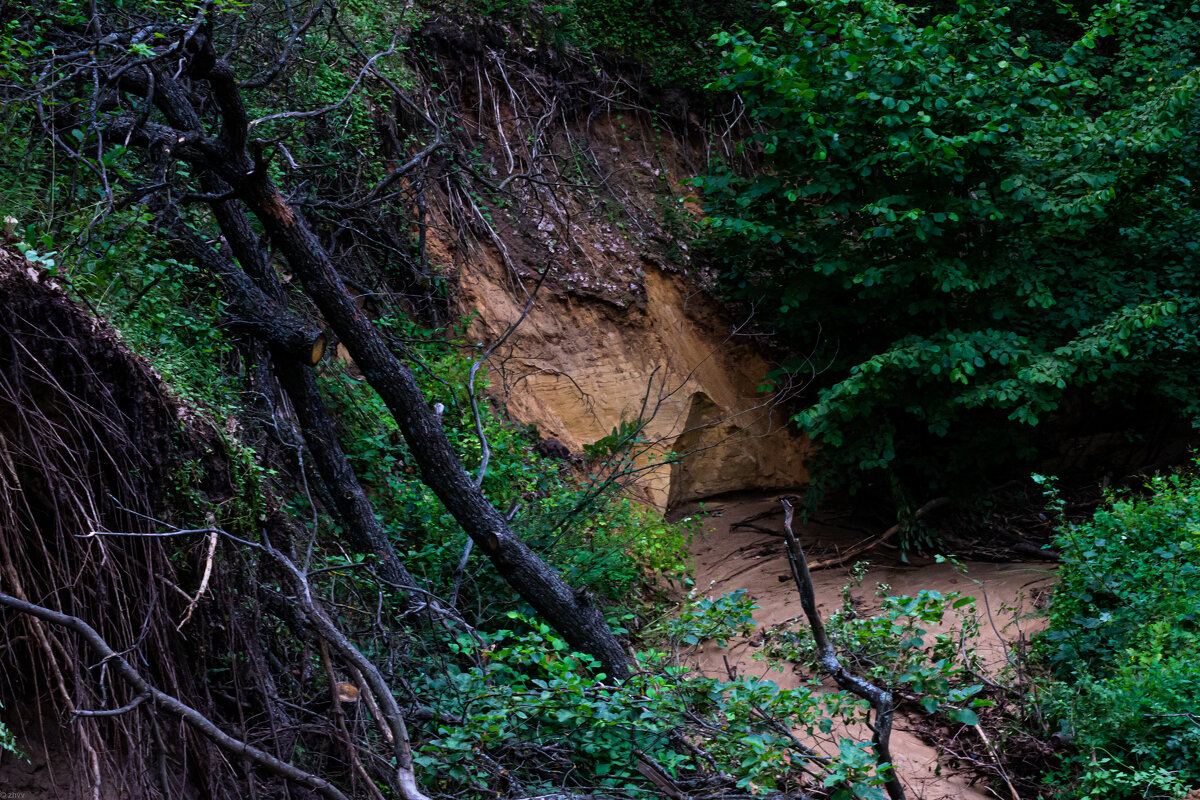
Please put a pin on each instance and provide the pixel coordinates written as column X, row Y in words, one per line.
column 154, row 83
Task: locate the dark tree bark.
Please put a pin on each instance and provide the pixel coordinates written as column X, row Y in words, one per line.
column 262, row 303
column 572, row 613
column 251, row 311
column 362, row 526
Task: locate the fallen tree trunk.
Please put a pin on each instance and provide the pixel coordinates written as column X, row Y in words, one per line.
column 572, row 613
column 251, row 310
column 257, row 287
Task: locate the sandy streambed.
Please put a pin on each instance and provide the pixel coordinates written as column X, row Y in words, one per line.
column 727, row 557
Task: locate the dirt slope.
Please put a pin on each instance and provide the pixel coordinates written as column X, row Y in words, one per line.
column 620, row 329
column 578, row 367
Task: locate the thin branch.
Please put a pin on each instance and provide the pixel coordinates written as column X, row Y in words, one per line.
column 839, row 560
column 317, row 112
column 392, row 718
column 373, row 195
column 479, row 363
column 881, row 700
column 259, row 81
column 208, row 567
column 112, row 712
column 483, row 443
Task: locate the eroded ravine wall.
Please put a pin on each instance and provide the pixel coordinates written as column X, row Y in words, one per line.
column 577, row 367
column 597, row 198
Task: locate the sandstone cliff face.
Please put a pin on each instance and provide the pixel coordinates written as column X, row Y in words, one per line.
column 597, row 199
column 579, row 366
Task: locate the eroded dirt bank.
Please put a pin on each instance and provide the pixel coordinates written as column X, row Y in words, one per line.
column 90, row 440
column 728, row 556
column 612, row 326
column 578, row 367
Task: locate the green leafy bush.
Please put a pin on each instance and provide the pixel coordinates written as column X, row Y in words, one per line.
column 668, row 38
column 1124, row 643
column 969, row 236
column 898, row 647
column 526, row 692
column 520, row 689
column 617, row 549
column 720, row 618
column 665, row 43
column 623, row 437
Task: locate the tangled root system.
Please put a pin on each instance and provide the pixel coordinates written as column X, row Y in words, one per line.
column 87, row 436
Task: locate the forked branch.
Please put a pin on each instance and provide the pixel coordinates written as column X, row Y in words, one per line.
column 880, row 699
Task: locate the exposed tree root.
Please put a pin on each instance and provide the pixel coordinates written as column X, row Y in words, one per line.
column 171, row 705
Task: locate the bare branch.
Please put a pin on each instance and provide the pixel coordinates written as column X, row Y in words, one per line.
column 858, row 549
column 266, row 77
column 881, row 700
column 396, row 731
column 317, row 112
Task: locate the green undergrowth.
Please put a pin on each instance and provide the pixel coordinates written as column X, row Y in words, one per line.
column 518, row 689
column 670, row 39
column 664, row 42
column 921, row 646
column 8, row 742
column 1123, row 645
column 530, row 692
column 167, row 311
column 108, row 257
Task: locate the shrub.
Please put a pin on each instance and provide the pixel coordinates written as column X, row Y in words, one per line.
column 720, row 618
column 899, row 649
column 8, row 742
column 972, row 238
column 526, row 693
column 1123, row 643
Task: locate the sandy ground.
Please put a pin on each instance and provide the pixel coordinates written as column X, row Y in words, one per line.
column 754, row 560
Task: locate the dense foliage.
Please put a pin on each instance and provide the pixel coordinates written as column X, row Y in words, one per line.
column 529, row 692
column 922, row 646
column 495, row 700
column 1124, row 645
column 988, row 216
column 967, row 228
column 665, row 44
column 670, row 39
